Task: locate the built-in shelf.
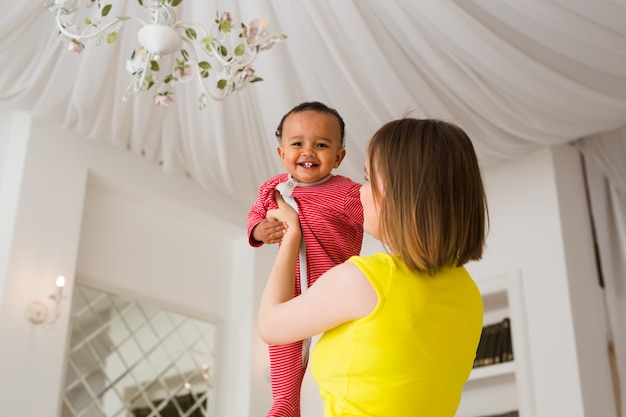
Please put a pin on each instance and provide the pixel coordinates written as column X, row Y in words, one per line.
column 490, row 371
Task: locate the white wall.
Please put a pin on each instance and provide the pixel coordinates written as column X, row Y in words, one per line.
column 13, row 144
column 107, row 218
column 43, row 245
column 540, row 226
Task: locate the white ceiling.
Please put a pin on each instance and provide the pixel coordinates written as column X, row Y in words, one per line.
column 514, row 74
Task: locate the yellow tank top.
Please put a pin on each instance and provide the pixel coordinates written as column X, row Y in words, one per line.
column 411, row 356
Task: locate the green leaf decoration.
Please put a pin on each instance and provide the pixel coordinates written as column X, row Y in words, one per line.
column 225, row 26
column 111, row 37
column 106, row 9
column 204, row 65
column 87, row 21
column 240, row 49
column 221, row 84
column 223, row 50
column 140, row 2
column 204, row 74
column 169, row 78
column 256, row 80
column 154, row 66
column 176, row 2
column 206, row 41
column 191, row 33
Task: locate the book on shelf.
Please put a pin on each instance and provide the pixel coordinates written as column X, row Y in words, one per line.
column 507, row 347
column 495, row 344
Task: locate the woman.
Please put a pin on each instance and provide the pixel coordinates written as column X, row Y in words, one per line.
column 400, row 327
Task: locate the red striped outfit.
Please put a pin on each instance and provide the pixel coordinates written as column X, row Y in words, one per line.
column 331, row 217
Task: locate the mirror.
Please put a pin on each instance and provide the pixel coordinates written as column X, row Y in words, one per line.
column 128, row 358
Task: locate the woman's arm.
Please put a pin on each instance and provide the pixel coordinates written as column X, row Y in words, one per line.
column 340, row 295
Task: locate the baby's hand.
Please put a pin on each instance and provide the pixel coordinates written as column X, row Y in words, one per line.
column 269, row 231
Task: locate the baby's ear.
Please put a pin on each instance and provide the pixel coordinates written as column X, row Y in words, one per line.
column 340, row 155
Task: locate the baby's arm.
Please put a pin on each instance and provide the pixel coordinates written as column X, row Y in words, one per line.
column 261, row 229
column 268, row 231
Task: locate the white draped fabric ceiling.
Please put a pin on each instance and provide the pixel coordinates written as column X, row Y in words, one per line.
column 515, row 74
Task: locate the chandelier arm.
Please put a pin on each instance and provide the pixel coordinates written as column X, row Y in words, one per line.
column 182, row 24
column 117, row 23
column 198, row 75
column 211, row 51
column 198, row 28
column 210, row 93
column 144, row 71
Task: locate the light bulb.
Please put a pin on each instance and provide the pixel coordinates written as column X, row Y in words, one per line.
column 60, row 281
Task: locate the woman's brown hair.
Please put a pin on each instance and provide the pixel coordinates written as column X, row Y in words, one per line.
column 433, row 205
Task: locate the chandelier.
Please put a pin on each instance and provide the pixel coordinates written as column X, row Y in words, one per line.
column 171, row 51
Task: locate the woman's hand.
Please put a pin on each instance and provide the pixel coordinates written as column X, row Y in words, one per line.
column 281, row 282
column 287, row 215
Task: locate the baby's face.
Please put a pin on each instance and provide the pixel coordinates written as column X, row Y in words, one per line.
column 311, row 145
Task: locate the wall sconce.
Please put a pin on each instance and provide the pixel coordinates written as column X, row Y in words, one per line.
column 38, row 313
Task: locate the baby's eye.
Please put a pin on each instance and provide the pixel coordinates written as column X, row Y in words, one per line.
column 321, row 145
column 296, row 144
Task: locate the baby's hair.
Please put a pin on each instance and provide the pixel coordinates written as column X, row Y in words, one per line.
column 424, row 173
column 317, row 107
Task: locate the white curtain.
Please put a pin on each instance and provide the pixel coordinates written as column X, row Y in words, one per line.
column 515, row 75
